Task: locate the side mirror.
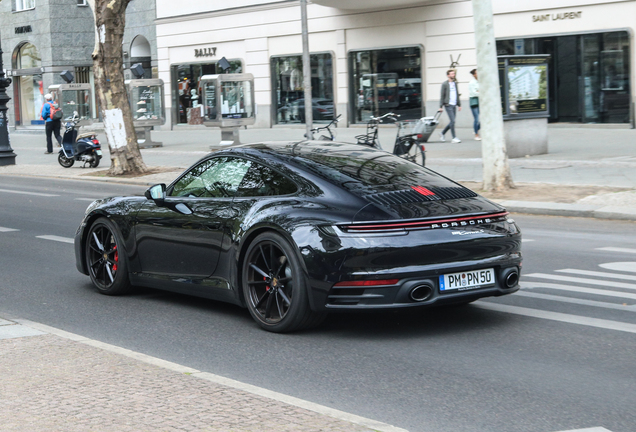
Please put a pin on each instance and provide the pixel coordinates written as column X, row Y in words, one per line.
column 157, row 193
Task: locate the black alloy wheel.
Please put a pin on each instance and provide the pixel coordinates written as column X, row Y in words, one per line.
column 410, row 149
column 106, row 258
column 64, row 161
column 275, row 287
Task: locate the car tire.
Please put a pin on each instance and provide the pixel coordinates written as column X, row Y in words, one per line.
column 106, row 258
column 275, row 286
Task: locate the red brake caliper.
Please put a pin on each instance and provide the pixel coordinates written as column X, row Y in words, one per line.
column 116, row 258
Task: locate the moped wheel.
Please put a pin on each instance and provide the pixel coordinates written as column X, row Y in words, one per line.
column 106, row 258
column 64, row 161
column 275, row 286
column 95, row 162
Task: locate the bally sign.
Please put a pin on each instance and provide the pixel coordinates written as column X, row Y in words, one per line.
column 205, row 52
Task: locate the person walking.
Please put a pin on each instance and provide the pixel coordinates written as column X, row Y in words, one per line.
column 473, row 98
column 51, row 125
column 449, row 99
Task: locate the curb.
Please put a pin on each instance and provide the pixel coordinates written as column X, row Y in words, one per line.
column 569, row 210
column 31, row 328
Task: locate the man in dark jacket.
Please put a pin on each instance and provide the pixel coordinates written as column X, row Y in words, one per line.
column 449, row 99
column 51, row 126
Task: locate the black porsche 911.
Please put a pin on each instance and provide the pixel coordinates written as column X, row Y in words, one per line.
column 293, row 231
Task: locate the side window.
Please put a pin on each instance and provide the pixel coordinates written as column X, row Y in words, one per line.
column 213, row 178
column 261, row 180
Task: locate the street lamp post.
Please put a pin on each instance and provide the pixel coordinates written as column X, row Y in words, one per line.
column 7, row 157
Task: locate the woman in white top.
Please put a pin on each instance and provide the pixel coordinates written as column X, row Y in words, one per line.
column 473, row 95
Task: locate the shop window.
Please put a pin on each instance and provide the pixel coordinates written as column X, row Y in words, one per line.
column 186, row 88
column 21, row 5
column 387, row 80
column 82, row 3
column 29, row 88
column 289, row 92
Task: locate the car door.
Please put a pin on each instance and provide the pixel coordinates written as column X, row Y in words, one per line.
column 183, row 237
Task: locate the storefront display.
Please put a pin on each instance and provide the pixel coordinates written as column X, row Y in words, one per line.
column 147, row 101
column 289, row 90
column 29, row 92
column 524, row 84
column 228, row 100
column 75, row 101
column 385, row 80
column 588, row 75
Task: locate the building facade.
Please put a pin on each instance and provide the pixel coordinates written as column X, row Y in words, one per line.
column 42, row 38
column 371, row 56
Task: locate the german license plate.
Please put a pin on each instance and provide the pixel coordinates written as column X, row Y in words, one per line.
column 99, row 152
column 467, row 280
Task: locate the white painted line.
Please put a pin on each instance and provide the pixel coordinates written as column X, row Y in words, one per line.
column 341, row 415
column 624, row 266
column 598, row 274
column 619, row 294
column 561, row 317
column 28, row 193
column 593, row 429
column 626, row 308
column 609, row 284
column 86, row 199
column 57, row 238
column 3, row 229
column 526, row 240
column 616, row 249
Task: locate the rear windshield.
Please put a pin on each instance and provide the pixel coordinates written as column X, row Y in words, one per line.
column 359, row 167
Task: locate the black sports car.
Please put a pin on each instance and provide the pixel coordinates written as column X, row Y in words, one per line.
column 293, row 231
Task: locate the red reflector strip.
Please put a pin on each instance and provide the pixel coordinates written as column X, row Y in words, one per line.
column 422, row 190
column 364, row 283
column 426, row 224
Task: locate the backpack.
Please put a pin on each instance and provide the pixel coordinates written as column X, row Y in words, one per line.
column 56, row 113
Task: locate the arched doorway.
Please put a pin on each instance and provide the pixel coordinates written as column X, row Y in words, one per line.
column 28, row 88
column 140, row 53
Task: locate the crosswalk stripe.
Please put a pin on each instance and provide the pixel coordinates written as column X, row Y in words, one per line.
column 582, row 280
column 599, row 274
column 56, row 238
column 557, row 316
column 28, row 193
column 562, row 299
column 619, row 294
column 3, row 229
column 617, row 249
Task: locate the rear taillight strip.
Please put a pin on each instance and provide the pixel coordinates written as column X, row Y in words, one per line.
column 438, row 223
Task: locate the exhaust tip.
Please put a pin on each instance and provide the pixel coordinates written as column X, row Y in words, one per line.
column 511, row 278
column 421, row 293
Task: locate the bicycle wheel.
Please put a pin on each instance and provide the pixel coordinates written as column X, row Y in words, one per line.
column 410, row 150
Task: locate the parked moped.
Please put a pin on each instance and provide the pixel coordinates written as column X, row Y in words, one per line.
column 83, row 147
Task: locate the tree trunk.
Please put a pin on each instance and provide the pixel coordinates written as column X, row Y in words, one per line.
column 496, row 171
column 110, row 21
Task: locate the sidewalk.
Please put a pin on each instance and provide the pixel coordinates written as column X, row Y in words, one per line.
column 599, row 161
column 56, row 381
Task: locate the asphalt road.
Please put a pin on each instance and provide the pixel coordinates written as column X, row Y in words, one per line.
column 558, row 356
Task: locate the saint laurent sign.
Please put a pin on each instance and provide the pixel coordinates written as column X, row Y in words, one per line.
column 557, row 16
column 205, row 52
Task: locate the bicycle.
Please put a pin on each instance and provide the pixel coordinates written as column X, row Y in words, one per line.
column 405, row 146
column 326, row 128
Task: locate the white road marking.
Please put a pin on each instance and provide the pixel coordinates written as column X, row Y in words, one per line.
column 3, row 229
column 593, row 429
column 27, row 193
column 57, row 238
column 619, row 294
column 628, row 266
column 582, row 280
column 598, row 274
column 561, row 317
column 526, row 240
column 616, row 249
column 562, row 299
column 85, row 199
